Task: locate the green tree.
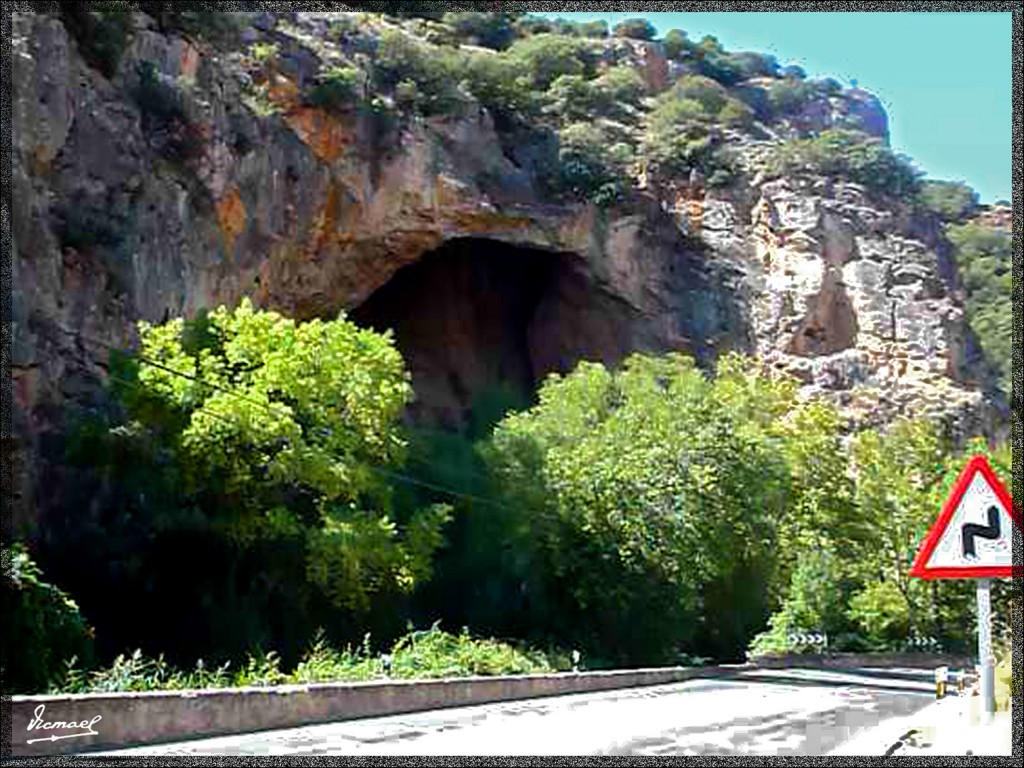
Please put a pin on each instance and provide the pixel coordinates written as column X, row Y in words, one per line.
column 653, row 483
column 101, row 30
column 635, row 29
column 498, row 83
column 436, row 73
column 545, row 57
column 43, row 628
column 677, row 44
column 490, row 30
column 984, row 256
column 587, row 170
column 951, row 200
column 273, row 404
column 851, row 155
column 259, row 445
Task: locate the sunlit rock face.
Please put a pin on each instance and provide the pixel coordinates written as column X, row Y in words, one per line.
column 440, row 229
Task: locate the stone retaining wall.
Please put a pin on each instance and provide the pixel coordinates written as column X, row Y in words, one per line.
column 129, row 719
column 163, row 716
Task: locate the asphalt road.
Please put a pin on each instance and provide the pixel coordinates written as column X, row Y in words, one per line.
column 760, row 712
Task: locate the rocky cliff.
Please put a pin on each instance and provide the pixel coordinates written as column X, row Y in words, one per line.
column 165, row 188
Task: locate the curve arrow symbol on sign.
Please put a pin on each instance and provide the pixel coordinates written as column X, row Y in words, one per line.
column 970, row 531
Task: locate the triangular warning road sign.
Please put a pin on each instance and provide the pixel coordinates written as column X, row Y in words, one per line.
column 973, row 537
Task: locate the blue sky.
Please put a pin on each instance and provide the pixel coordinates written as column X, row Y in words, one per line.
column 944, row 78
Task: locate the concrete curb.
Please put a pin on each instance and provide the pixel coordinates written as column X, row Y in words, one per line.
column 135, row 719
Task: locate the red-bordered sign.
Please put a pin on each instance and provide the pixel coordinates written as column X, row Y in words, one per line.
column 973, row 537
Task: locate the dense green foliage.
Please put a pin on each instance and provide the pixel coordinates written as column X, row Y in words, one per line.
column 42, row 626
column 854, row 584
column 490, row 30
column 421, row 654
column 336, row 89
column 217, row 27
column 165, row 119
column 590, row 167
column 258, row 457
column 684, row 129
column 952, row 201
column 546, row 57
column 252, row 479
column 635, row 29
column 101, row 30
column 985, row 258
column 849, row 155
column 642, row 500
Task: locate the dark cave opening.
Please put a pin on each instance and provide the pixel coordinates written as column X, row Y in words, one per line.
column 481, row 322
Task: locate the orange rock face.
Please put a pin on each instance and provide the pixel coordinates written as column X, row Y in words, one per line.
column 320, row 131
column 231, row 216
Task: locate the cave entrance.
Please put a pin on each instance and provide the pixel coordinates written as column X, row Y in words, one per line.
column 481, row 322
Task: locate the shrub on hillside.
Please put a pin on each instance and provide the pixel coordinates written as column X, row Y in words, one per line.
column 677, row 44
column 335, row 89
column 400, row 58
column 165, row 119
column 217, row 27
column 546, row 57
column 635, row 29
column 594, row 29
column 984, row 256
column 587, row 171
column 850, row 155
column 489, row 30
column 786, row 97
column 43, row 628
column 950, row 200
column 102, row 32
column 499, row 85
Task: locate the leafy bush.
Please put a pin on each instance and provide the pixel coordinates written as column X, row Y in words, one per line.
column 545, row 57
column 400, row 58
column 793, row 72
column 43, row 628
column 164, row 116
column 586, row 170
column 573, row 98
column 750, row 64
column 418, row 655
column 101, row 30
column 594, row 29
column 950, row 200
column 984, row 256
column 617, row 473
column 850, row 155
column 677, row 45
column 500, row 86
column 635, row 29
column 217, row 27
column 336, row 89
column 683, row 129
column 490, row 30
column 786, row 97
column 621, row 85
column 882, row 612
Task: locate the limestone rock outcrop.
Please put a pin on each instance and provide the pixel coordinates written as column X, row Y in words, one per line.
column 117, row 218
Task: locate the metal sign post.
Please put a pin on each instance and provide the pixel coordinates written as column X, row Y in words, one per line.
column 972, row 540
column 986, row 663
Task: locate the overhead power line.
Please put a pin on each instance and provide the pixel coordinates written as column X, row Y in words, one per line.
column 377, row 470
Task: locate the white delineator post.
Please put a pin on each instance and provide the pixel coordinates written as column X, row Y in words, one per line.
column 986, row 664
